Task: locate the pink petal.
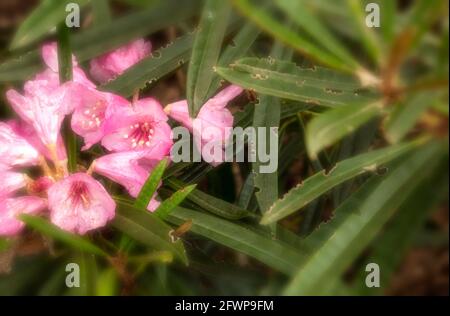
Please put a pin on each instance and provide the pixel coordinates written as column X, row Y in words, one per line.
column 92, row 110
column 45, row 108
column 213, row 123
column 79, row 203
column 30, row 135
column 11, row 182
column 112, row 64
column 14, row 149
column 10, row 208
column 49, row 53
column 142, row 127
column 123, row 168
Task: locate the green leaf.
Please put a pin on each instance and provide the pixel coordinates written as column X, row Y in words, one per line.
column 260, row 16
column 103, row 38
column 107, row 283
column 271, row 252
column 147, row 228
column 322, row 182
column 305, row 18
column 48, row 229
column 169, row 204
column 335, row 245
column 151, row 185
column 389, row 249
column 239, row 45
column 101, row 12
column 43, row 19
column 205, row 53
column 152, row 68
column 317, row 86
column 405, row 115
column 64, row 53
column 210, row 203
column 327, row 128
column 367, row 36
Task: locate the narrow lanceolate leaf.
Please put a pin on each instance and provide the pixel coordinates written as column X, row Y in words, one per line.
column 169, row 204
column 404, row 116
column 261, row 16
column 239, row 45
column 205, row 53
column 42, row 20
column 302, row 14
column 337, row 244
column 101, row 12
column 151, row 185
column 210, row 203
column 322, row 182
column 147, row 228
column 388, row 250
column 267, row 115
column 317, row 86
column 328, row 127
column 96, row 41
column 152, row 68
column 265, row 249
column 48, row 229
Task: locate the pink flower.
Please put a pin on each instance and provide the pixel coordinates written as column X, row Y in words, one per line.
column 142, row 127
column 213, row 122
column 11, row 182
column 79, row 204
column 129, row 169
column 92, row 110
column 28, row 132
column 10, row 208
column 49, row 54
column 14, row 149
column 112, row 64
column 43, row 106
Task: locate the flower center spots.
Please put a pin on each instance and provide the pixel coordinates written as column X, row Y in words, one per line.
column 140, row 134
column 94, row 115
column 79, row 193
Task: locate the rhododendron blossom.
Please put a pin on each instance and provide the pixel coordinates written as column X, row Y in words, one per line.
column 213, row 123
column 11, row 208
column 15, row 150
column 129, row 169
column 92, row 110
column 49, row 54
column 43, row 107
column 11, row 182
column 142, row 127
column 112, row 64
column 79, row 203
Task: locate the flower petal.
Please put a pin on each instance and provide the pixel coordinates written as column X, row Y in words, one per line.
column 11, row 182
column 10, row 208
column 112, row 64
column 79, row 203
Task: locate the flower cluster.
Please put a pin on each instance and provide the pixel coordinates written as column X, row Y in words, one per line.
column 136, row 135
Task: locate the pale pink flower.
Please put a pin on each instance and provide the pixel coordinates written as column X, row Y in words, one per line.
column 142, row 127
column 43, row 106
column 49, row 54
column 112, row 64
column 11, row 182
column 213, row 122
column 11, row 208
column 40, row 186
column 79, row 203
column 28, row 132
column 93, row 108
column 15, row 150
column 129, row 169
